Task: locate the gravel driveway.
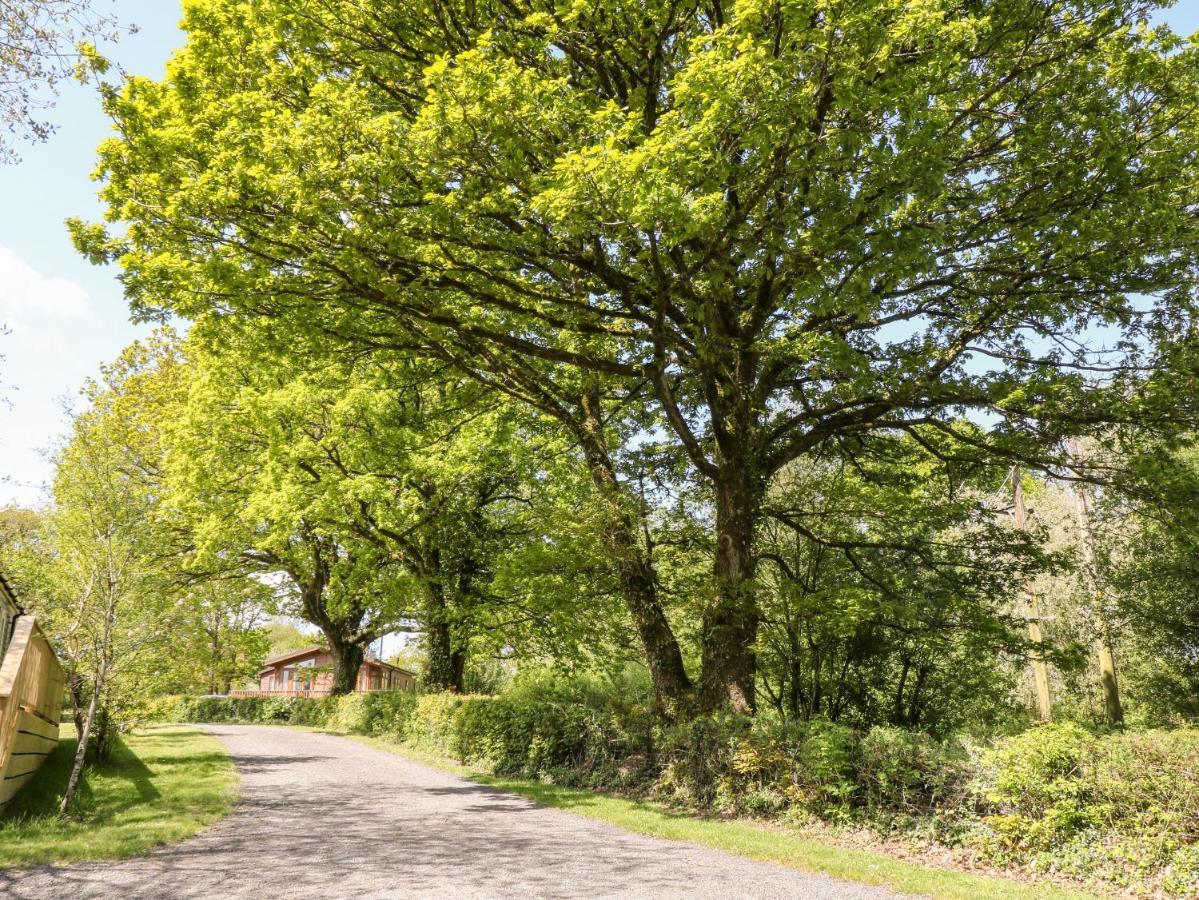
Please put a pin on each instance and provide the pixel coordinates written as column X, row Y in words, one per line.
column 324, row 816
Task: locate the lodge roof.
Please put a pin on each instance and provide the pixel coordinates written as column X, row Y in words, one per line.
column 269, row 664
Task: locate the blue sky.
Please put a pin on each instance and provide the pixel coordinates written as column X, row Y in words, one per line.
column 66, row 316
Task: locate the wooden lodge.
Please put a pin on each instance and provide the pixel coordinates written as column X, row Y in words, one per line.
column 31, row 686
column 309, row 673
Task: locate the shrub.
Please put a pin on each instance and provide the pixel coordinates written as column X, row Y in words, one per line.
column 161, row 709
column 433, row 723
column 553, row 734
column 1122, row 807
column 1035, row 772
column 382, row 713
column 737, row 765
column 696, row 760
column 804, row 766
column 910, row 772
column 1036, row 780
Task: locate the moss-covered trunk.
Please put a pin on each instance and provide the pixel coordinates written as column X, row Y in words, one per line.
column 347, row 661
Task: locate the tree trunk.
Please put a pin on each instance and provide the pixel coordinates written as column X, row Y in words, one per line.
column 104, row 734
column 445, row 665
column 85, row 731
column 75, row 690
column 441, row 673
column 1040, row 670
column 635, row 571
column 915, row 707
column 84, row 735
column 347, row 654
column 458, row 667
column 730, row 627
column 1112, row 707
column 639, row 587
column 897, row 716
column 214, row 659
column 1113, row 710
column 347, row 661
column 795, row 668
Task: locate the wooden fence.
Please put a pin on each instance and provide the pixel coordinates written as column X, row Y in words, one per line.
column 31, row 686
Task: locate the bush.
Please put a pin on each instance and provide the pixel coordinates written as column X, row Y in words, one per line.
column 1123, row 807
column 161, row 709
column 807, row 766
column 910, row 773
column 434, row 724
column 1039, row 771
column 542, row 727
column 761, row 767
column 1037, row 781
column 695, row 760
column 380, row 713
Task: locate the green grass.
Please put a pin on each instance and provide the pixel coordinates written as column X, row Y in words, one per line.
column 753, row 840
column 161, row 784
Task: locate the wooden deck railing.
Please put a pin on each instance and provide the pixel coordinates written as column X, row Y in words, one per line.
column 299, row 692
column 31, row 685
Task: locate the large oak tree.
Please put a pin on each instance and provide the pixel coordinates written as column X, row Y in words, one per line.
column 772, row 224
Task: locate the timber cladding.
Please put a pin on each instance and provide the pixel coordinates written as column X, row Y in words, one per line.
column 309, row 673
column 31, row 686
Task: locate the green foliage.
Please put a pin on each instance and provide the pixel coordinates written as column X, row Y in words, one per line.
column 807, row 769
column 695, row 756
column 909, row 772
column 379, row 713
column 754, row 237
column 810, row 764
column 704, row 342
column 541, row 727
column 1120, row 807
column 1124, row 807
column 887, row 587
column 283, row 638
column 433, row 725
column 1154, row 569
column 1040, row 770
column 105, row 568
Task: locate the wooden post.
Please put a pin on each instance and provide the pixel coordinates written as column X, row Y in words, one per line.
column 1040, row 671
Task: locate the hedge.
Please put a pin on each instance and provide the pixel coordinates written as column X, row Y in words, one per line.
column 1122, row 808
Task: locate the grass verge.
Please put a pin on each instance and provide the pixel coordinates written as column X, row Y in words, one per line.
column 751, row 839
column 161, row 784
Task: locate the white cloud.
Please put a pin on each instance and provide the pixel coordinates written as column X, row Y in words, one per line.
column 24, row 291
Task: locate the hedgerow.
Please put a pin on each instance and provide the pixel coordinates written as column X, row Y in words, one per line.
column 1123, row 808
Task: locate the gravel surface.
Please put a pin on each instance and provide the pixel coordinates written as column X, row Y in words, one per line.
column 324, row 816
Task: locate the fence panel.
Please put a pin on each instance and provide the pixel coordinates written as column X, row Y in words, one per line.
column 31, row 685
